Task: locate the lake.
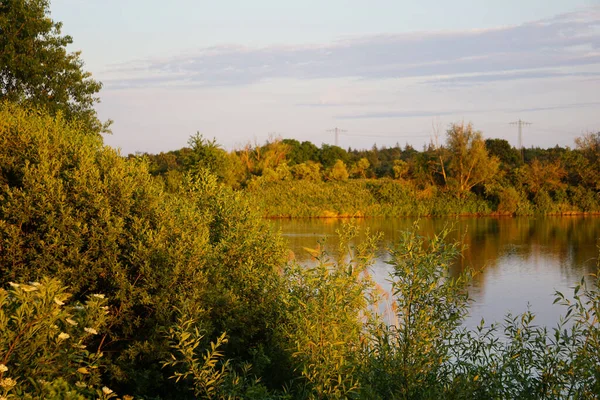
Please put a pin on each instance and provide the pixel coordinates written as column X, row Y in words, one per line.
column 520, row 262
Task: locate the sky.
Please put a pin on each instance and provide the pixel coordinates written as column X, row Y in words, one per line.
column 383, row 71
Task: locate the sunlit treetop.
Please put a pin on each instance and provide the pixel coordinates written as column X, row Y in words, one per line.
column 36, row 69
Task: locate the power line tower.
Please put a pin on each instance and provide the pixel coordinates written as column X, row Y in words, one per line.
column 337, row 134
column 520, row 125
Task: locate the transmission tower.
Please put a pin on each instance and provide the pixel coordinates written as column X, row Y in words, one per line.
column 337, row 134
column 520, row 125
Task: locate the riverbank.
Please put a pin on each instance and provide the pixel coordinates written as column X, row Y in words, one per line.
column 391, row 198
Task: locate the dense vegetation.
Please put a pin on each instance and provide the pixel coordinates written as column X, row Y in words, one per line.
column 117, row 284
column 467, row 175
column 190, row 294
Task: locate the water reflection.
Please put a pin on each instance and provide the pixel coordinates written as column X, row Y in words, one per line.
column 519, row 261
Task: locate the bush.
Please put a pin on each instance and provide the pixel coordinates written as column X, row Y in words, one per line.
column 409, row 357
column 328, row 307
column 425, row 354
column 43, row 342
column 76, row 210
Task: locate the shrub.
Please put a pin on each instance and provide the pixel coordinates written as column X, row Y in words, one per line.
column 328, row 306
column 43, row 342
column 76, row 210
column 408, row 358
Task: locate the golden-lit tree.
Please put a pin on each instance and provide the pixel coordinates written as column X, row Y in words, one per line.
column 469, row 162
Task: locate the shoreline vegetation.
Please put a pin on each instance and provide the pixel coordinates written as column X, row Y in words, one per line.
column 491, row 215
column 467, row 176
column 287, row 201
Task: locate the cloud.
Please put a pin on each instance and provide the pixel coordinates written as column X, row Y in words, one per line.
column 561, row 107
column 341, row 104
column 439, row 113
column 402, row 114
column 478, row 79
column 567, row 40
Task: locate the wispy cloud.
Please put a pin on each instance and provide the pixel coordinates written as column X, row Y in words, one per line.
column 482, row 78
column 342, row 104
column 567, row 40
column 561, row 107
column 439, row 113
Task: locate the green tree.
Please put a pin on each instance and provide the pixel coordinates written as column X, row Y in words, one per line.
column 207, row 155
column 36, row 69
column 329, row 304
column 508, row 155
column 330, row 154
column 301, row 152
column 408, row 356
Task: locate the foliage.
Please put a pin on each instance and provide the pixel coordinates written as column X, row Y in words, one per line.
column 76, row 210
column 408, row 358
column 207, row 155
column 589, row 147
column 211, row 376
column 467, row 175
column 522, row 360
column 539, row 176
column 307, row 171
column 43, row 342
column 469, row 163
column 401, row 169
column 339, row 172
column 508, row 156
column 361, row 167
column 358, row 198
column 36, row 69
column 328, row 303
column 206, row 376
column 197, row 282
column 242, row 268
column 425, row 354
column 329, row 155
column 301, row 152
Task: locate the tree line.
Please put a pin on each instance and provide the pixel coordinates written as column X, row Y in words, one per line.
column 467, row 166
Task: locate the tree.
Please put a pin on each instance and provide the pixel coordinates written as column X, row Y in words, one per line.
column 589, row 146
column 301, row 152
column 542, row 176
column 470, row 164
column 400, row 169
column 361, row 167
column 339, row 172
column 207, row 154
column 508, row 155
column 309, row 171
column 331, row 154
column 36, row 69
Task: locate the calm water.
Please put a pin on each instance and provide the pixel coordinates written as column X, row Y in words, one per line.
column 521, row 261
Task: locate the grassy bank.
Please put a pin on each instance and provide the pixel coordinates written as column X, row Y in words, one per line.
column 390, row 198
